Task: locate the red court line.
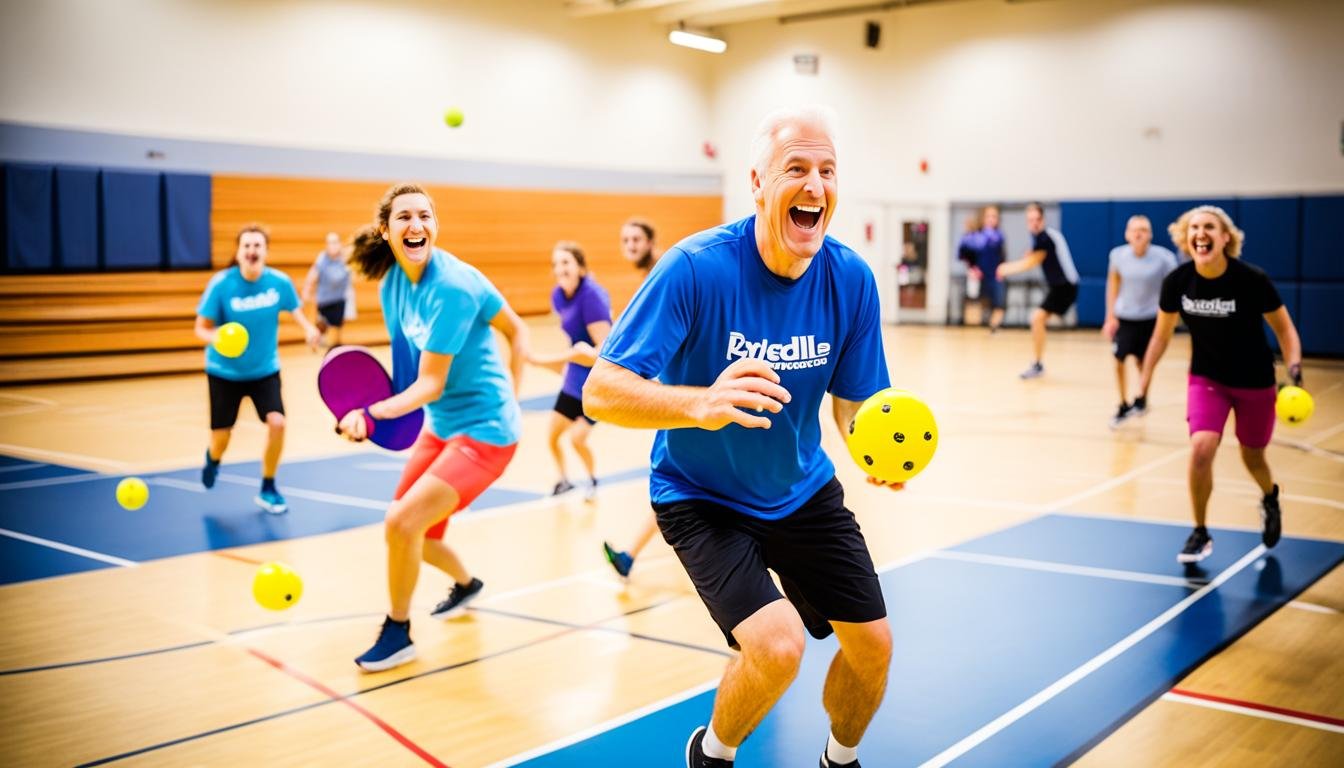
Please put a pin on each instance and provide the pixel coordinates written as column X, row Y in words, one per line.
column 233, row 556
column 1261, row 707
column 334, row 696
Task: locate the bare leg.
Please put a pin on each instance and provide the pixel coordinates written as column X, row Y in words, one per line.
column 772, row 647
column 1254, row 459
column 857, row 678
column 558, row 426
column 1203, row 447
column 428, row 501
column 1120, row 380
column 996, row 317
column 219, row 442
column 441, row 556
column 275, row 443
column 578, row 437
column 1038, row 318
column 645, row 535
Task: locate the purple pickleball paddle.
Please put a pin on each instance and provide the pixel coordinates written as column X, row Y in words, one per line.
column 350, row 378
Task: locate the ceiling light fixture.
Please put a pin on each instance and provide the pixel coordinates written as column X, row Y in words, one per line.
column 701, row 41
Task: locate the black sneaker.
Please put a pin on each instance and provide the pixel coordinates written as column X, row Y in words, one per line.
column 562, row 487
column 1197, row 547
column 1139, row 407
column 210, row 471
column 1125, row 411
column 457, row 599
column 1272, row 517
column 826, row 763
column 695, row 755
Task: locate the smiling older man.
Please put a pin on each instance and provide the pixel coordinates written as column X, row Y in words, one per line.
column 745, row 327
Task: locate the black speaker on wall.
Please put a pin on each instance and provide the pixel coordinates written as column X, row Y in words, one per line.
column 872, row 34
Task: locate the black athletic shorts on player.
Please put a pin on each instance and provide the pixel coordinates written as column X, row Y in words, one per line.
column 226, row 395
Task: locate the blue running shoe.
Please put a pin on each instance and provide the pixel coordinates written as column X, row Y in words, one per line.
column 394, row 647
column 210, row 471
column 621, row 561
column 457, row 599
column 270, row 500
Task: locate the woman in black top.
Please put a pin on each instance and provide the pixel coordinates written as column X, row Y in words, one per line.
column 1222, row 300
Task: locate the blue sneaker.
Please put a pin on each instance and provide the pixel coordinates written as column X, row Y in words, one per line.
column 394, row 647
column 621, row 561
column 210, row 471
column 272, row 502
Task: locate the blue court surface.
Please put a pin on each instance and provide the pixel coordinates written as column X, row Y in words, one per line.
column 1025, row 647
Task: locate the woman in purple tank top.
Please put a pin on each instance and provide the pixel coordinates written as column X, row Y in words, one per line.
column 585, row 315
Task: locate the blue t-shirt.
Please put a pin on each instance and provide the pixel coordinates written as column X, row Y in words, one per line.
column 448, row 313
column 256, row 305
column 1058, row 265
column 709, row 301
column 1140, row 280
column 588, row 305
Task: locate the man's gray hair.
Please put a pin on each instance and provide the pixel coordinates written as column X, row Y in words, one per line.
column 763, row 142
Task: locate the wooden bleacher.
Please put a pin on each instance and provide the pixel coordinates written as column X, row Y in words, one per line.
column 79, row 326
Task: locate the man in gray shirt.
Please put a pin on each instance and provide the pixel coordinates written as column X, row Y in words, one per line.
column 1133, row 283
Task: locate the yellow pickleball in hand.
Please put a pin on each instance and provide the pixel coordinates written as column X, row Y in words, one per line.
column 231, row 341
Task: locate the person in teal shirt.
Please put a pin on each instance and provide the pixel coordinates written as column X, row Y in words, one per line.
column 440, row 312
column 253, row 295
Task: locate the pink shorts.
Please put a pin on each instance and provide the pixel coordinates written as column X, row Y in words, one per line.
column 469, row 466
column 1207, row 403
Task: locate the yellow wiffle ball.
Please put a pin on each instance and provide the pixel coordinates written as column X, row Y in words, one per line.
column 276, row 586
column 132, row 493
column 1294, row 405
column 893, row 436
column 231, row 340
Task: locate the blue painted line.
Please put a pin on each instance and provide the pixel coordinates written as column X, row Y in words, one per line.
column 974, row 640
column 539, row 403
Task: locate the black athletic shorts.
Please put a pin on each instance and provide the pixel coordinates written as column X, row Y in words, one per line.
column 1132, row 338
column 1059, row 298
column 332, row 313
column 226, row 395
column 818, row 552
column 571, row 408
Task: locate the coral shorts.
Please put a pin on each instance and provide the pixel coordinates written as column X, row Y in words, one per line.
column 469, row 466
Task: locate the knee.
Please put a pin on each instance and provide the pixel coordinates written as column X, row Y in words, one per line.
column 1202, row 453
column 400, row 526
column 275, row 420
column 872, row 651
column 1253, row 457
column 777, row 654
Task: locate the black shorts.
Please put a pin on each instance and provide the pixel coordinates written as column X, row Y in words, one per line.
column 571, row 408
column 1132, row 338
column 1059, row 298
column 226, row 395
column 818, row 552
column 332, row 313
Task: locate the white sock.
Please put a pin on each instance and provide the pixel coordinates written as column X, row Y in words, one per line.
column 839, row 754
column 712, row 747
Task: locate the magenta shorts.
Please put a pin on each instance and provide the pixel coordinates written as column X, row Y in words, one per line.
column 1207, row 403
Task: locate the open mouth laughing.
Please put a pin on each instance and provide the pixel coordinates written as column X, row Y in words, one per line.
column 806, row 217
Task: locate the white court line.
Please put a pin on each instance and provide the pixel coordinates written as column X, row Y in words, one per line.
column 181, row 485
column 25, row 451
column 62, row 480
column 1180, row 699
column 1314, row 608
column 20, row 467
column 1074, row 570
column 300, row 493
column 614, row 723
column 1059, row 686
column 90, row 554
column 1115, row 482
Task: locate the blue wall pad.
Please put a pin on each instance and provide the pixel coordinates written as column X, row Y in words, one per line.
column 1321, row 320
column 1322, row 258
column 132, row 222
column 77, row 223
column 186, row 219
column 1272, row 234
column 1161, row 213
column 973, row 640
column 28, row 200
column 1087, row 227
column 1092, row 301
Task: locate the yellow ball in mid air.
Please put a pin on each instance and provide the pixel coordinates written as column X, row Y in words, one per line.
column 231, row 341
column 132, row 493
column 893, row 436
column 1294, row 405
